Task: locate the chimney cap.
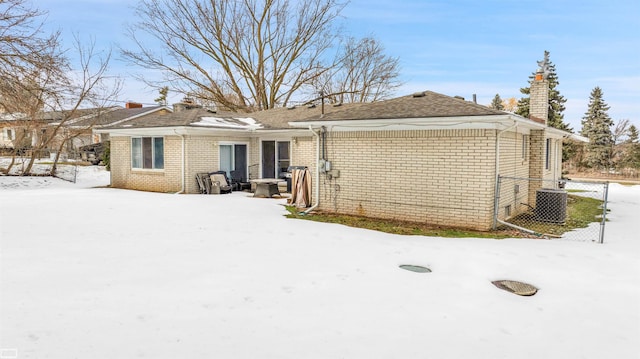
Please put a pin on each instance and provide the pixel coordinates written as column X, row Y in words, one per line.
column 132, row 104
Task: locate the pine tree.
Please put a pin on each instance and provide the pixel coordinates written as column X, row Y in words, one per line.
column 596, row 126
column 556, row 101
column 631, row 157
column 496, row 104
column 632, row 134
column 162, row 99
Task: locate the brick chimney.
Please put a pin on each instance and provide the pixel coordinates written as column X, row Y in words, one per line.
column 539, row 92
column 539, row 98
column 187, row 104
column 539, row 112
column 133, row 105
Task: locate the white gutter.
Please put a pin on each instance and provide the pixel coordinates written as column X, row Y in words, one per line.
column 496, row 195
column 317, row 187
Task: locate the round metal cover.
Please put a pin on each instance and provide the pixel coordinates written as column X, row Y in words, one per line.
column 414, row 268
column 516, row 287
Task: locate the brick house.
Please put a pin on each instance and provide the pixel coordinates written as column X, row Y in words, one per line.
column 164, row 153
column 425, row 157
column 431, row 158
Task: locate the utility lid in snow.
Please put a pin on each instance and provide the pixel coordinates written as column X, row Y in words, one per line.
column 414, row 268
column 516, row 287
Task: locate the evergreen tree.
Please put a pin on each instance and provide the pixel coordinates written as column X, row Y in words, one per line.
column 496, row 104
column 596, row 126
column 556, row 101
column 162, row 99
column 631, row 157
column 632, row 135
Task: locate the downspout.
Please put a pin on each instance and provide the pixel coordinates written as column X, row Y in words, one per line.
column 496, row 195
column 182, row 184
column 521, row 228
column 316, row 195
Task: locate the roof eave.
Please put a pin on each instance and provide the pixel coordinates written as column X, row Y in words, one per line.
column 450, row 122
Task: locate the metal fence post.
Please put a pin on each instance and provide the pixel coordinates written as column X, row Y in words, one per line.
column 604, row 211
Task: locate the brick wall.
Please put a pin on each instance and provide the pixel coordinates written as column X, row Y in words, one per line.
column 514, row 194
column 202, row 155
column 442, row 177
column 539, row 100
column 165, row 180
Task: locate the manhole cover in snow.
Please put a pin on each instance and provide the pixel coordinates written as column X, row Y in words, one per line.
column 516, row 287
column 417, row 269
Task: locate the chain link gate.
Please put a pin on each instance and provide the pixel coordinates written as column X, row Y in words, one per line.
column 567, row 209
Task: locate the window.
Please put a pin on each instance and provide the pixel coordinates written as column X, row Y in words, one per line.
column 525, row 146
column 547, row 157
column 147, row 152
column 9, row 134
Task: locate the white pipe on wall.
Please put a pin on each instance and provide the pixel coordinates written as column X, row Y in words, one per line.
column 497, row 167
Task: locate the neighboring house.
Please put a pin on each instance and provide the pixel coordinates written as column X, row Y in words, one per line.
column 9, row 135
column 75, row 128
column 84, row 129
column 21, row 132
column 426, row 157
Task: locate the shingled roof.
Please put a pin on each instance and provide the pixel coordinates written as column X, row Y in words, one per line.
column 424, row 104
column 273, row 119
column 279, row 118
column 113, row 116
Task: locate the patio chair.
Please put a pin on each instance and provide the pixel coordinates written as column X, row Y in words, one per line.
column 238, row 181
column 219, row 182
column 204, row 183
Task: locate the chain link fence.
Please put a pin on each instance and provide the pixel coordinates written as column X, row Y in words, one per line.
column 67, row 170
column 572, row 210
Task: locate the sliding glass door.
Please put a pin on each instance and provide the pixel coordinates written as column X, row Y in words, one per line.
column 275, row 158
column 233, row 157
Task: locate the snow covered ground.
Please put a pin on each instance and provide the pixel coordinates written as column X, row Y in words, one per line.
column 105, row 273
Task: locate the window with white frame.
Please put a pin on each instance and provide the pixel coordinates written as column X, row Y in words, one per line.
column 525, row 146
column 8, row 134
column 147, row 152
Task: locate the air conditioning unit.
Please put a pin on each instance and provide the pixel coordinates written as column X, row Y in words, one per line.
column 551, row 205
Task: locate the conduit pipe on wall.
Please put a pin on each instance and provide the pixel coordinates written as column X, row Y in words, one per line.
column 496, row 195
column 316, row 195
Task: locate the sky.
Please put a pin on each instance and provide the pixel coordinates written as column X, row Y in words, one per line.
column 454, row 47
column 87, row 276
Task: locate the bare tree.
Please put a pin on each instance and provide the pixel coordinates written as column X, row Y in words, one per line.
column 37, row 81
column 24, row 47
column 510, row 104
column 243, row 54
column 88, row 87
column 362, row 72
column 29, row 61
